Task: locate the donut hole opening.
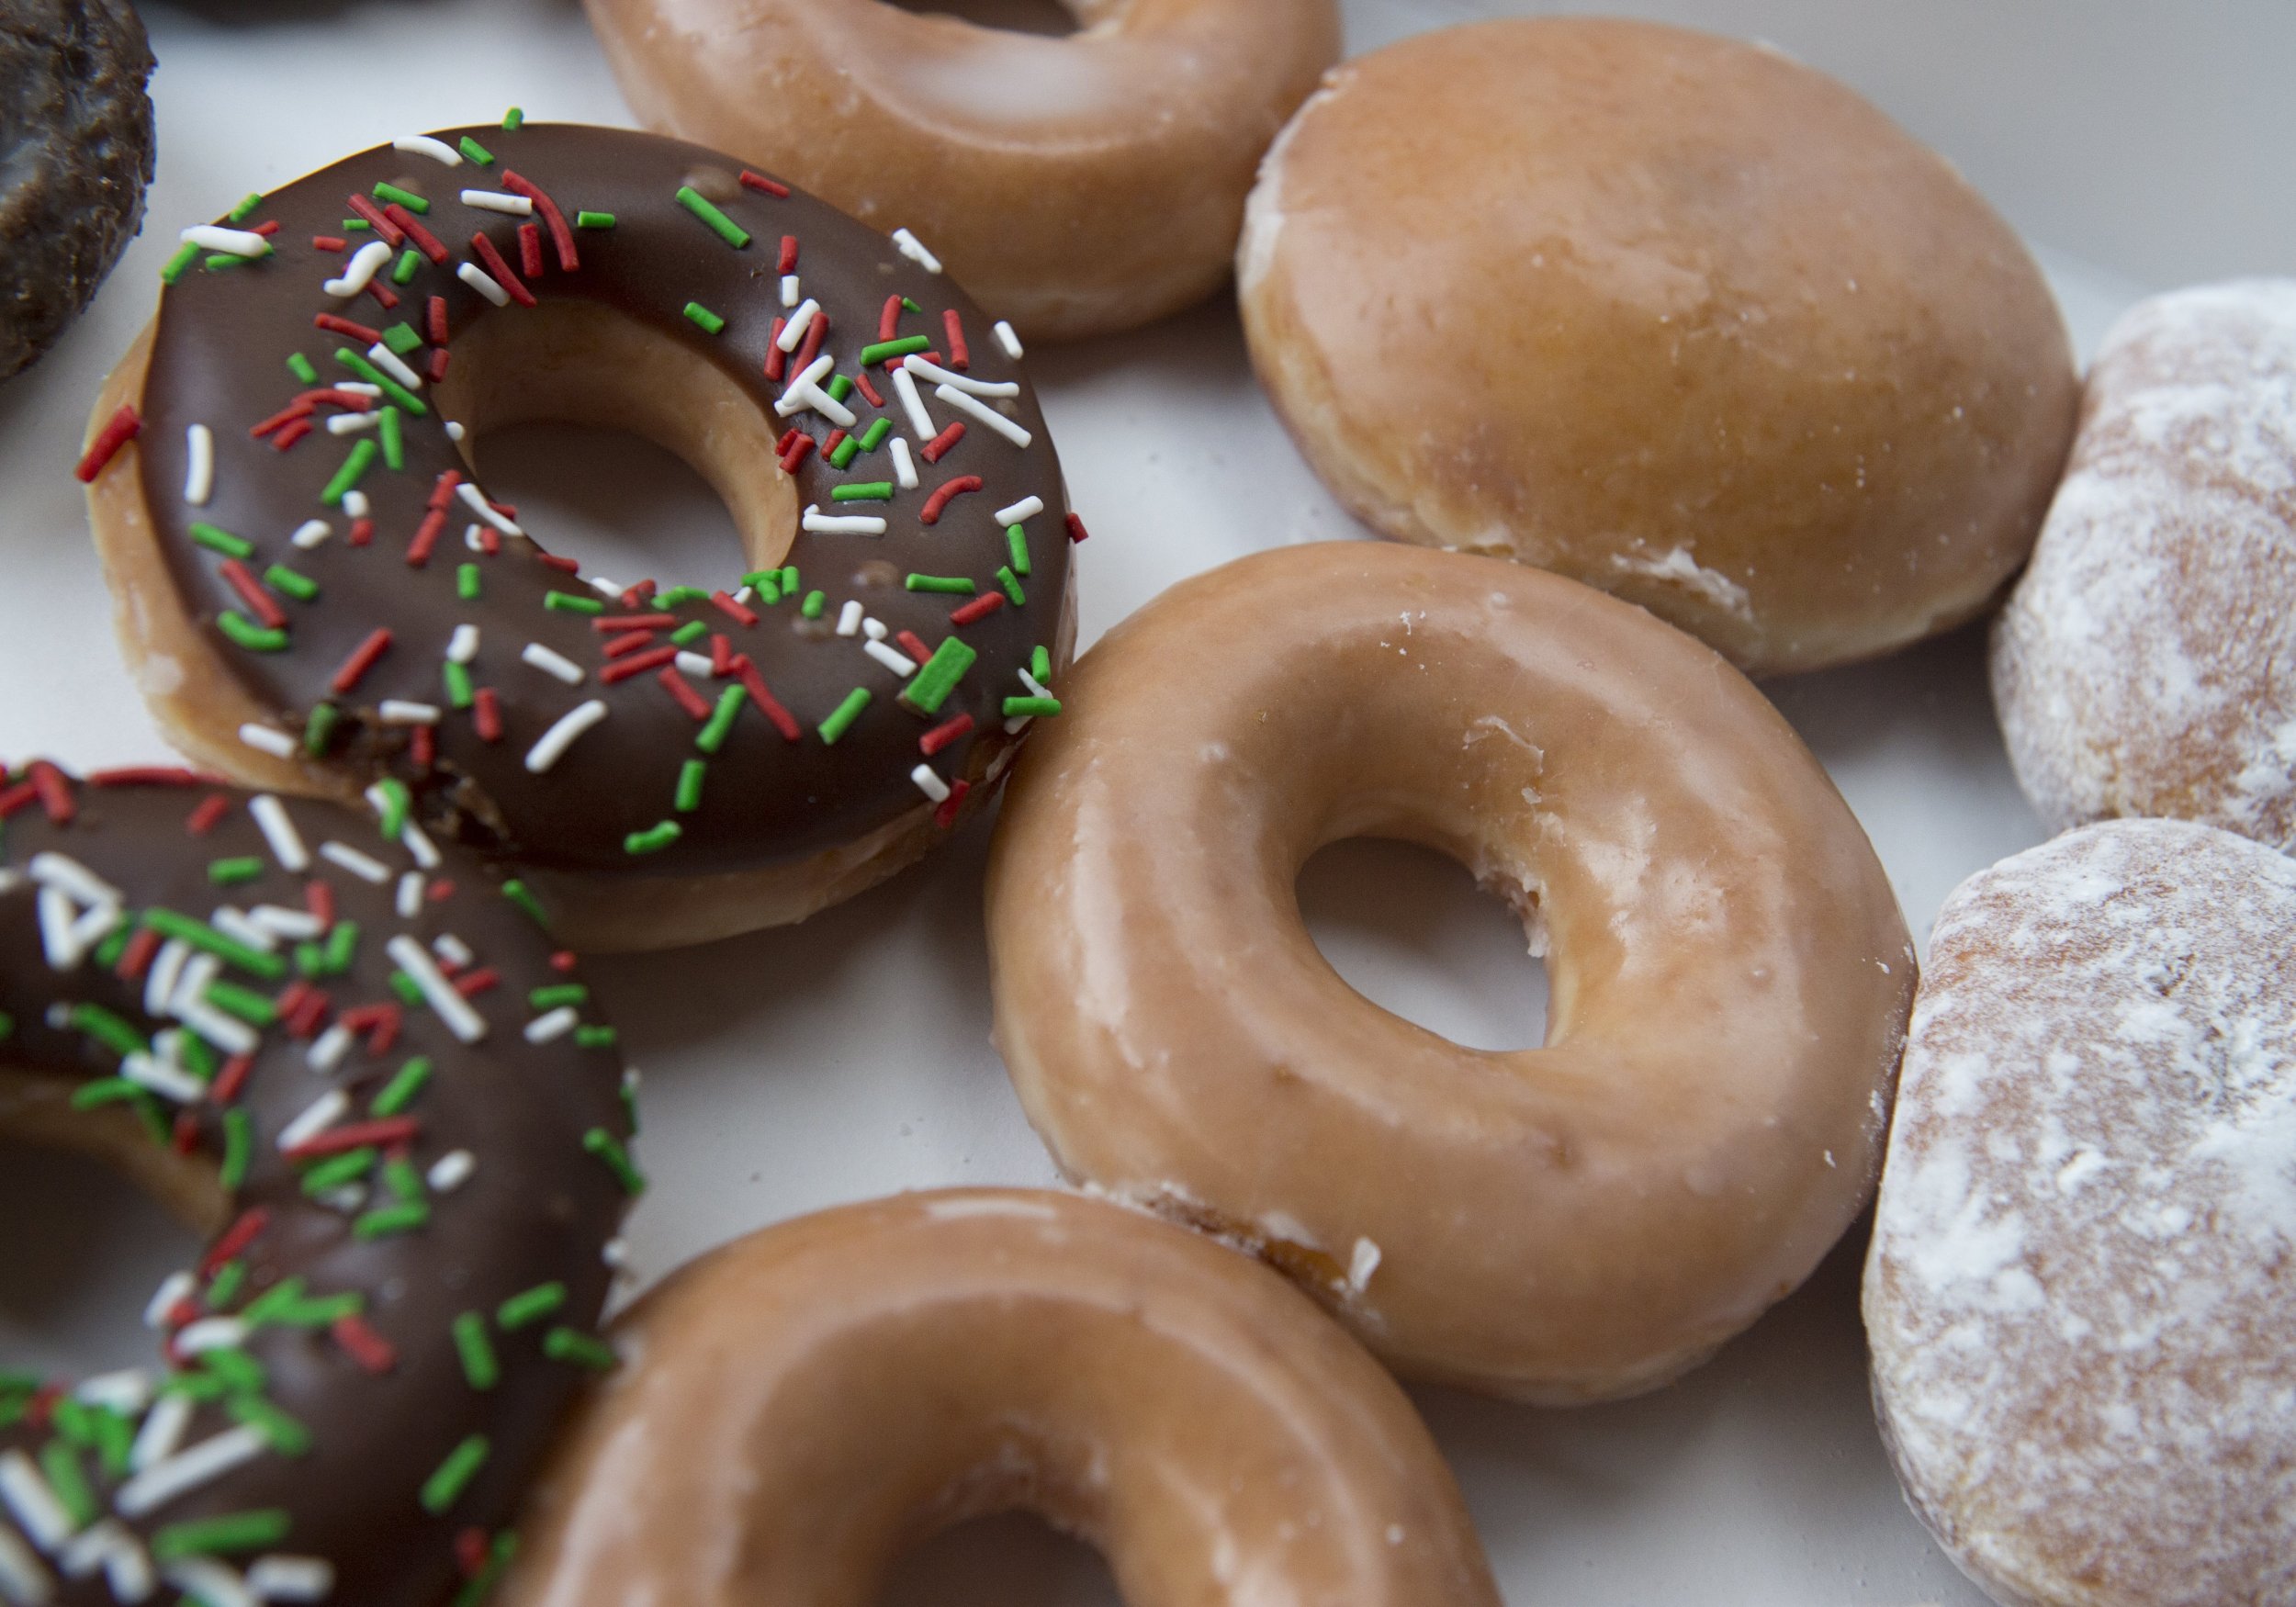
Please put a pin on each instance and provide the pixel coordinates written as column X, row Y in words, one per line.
column 1047, row 18
column 620, row 446
column 1012, row 1559
column 1408, row 928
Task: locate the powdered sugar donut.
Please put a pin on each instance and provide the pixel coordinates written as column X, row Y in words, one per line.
column 2080, row 1296
column 2146, row 663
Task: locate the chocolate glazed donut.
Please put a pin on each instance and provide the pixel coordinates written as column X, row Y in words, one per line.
column 316, row 602
column 361, row 1069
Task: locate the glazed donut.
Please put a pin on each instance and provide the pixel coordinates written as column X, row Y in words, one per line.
column 1730, row 972
column 1078, row 185
column 1716, row 335
column 2147, row 662
column 347, row 1056
column 803, row 1403
column 75, row 155
column 314, row 601
column 2078, row 1296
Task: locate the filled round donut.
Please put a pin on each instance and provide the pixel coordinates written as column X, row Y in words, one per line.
column 316, row 593
column 2147, row 662
column 1728, row 970
column 1672, row 315
column 2079, row 1296
column 358, row 1066
column 802, row 1404
column 75, row 155
column 1076, row 186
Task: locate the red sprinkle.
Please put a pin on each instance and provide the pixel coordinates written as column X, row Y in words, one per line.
column 136, row 957
column 640, row 665
column 530, row 249
column 383, row 294
column 776, row 360
column 362, row 532
column 861, row 380
column 630, row 641
column 677, row 687
column 937, row 447
column 429, row 244
column 435, row 316
column 361, row 660
column 435, row 370
column 233, row 1077
column 422, row 747
column 758, row 181
column 788, row 439
column 478, row 980
column 251, row 592
column 815, row 333
column 796, row 454
column 205, row 818
column 319, row 897
column 235, row 1240
column 15, row 798
column 913, row 645
column 960, row 355
column 564, row 961
column 789, row 253
column 55, row 792
column 946, row 816
column 937, row 503
column 187, row 1132
column 268, row 228
column 560, row 235
column 942, row 735
column 889, row 320
column 472, row 1550
column 754, row 684
column 491, row 260
column 835, row 440
column 732, row 610
column 443, row 489
column 357, row 1135
column 329, row 243
column 370, row 1349
column 380, row 221
column 564, row 566
column 426, row 537
column 721, row 655
column 122, row 427
column 298, row 409
column 292, row 434
column 980, row 608
column 1077, row 531
column 606, row 625
column 343, row 326
column 486, row 714
column 147, row 775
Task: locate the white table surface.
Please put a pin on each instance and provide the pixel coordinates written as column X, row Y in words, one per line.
column 796, row 1069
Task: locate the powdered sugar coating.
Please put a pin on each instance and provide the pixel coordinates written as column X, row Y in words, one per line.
column 2082, row 1289
column 2146, row 663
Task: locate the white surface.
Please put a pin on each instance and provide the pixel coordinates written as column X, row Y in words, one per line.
column 795, row 1069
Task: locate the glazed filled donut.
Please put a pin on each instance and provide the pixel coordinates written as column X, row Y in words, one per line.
column 801, row 1405
column 316, row 593
column 75, row 154
column 2078, row 1296
column 1076, row 186
column 2147, row 662
column 1671, row 315
column 358, row 1066
column 1730, row 972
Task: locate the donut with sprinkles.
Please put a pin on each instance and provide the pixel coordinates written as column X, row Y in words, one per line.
column 319, row 594
column 355, row 1060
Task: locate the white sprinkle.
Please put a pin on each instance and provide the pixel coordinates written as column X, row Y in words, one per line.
column 893, row 658
column 365, row 388
column 390, row 363
column 186, row 1471
column 424, row 145
column 352, row 424
column 805, row 391
column 282, row 922
column 171, row 1083
column 463, row 646
column 848, row 618
column 822, row 523
column 44, row 1519
column 66, row 933
column 366, row 262
column 904, row 387
column 112, row 1546
column 1028, row 508
column 463, row 1021
column 278, row 831
column 175, row 1288
column 267, row 739
column 161, row 1433
column 1361, row 1264
column 348, row 1200
column 874, row 628
column 67, row 875
column 560, row 737
column 452, row 949
column 479, row 279
column 167, row 970
column 1009, row 340
column 552, row 663
column 127, row 1392
column 1037, row 689
column 986, row 414
column 904, row 465
column 208, row 1582
column 793, row 332
column 364, row 866
column 454, row 430
column 472, row 539
column 410, row 895
column 929, row 782
column 23, row 1582
column 925, row 368
column 914, row 249
column 452, row 1172
column 228, row 1033
column 484, row 510
column 789, row 291
column 328, row 1049
column 616, row 1253
column 292, row 1578
column 554, row 1026
column 317, row 1116
column 598, row 583
column 419, row 846
column 399, row 712
column 199, row 475
column 695, row 665
column 238, row 243
column 354, row 502
column 496, row 201
column 313, row 533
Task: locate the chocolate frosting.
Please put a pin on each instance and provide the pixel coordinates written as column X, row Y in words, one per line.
column 360, row 1416
column 227, row 334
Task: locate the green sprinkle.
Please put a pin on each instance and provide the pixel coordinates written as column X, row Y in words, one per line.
column 382, row 382
column 862, row 491
column 1016, row 541
column 725, row 228
column 238, row 1148
column 518, row 894
column 400, row 336
column 341, row 944
column 408, row 264
column 403, row 1181
column 61, row 1463
column 568, row 603
column 288, row 1436
column 409, row 991
column 956, row 584
column 198, row 1059
column 355, row 225
column 564, row 1345
column 110, row 1030
column 248, row 205
column 234, row 1369
column 467, row 582
column 721, row 721
column 301, row 367
column 480, row 1585
column 875, row 436
column 224, row 259
column 108, row 951
column 445, row 1488
column 653, row 840
column 272, row 1301
column 1027, row 708
column 690, row 777
column 224, row 1288
column 394, row 442
column 338, row 1170
column 909, row 306
column 847, row 450
column 677, row 594
column 1041, row 665
column 703, row 316
column 244, row 1003
column 180, row 263
column 475, row 152
column 7, row 1026
column 363, row 454
column 603, row 1145
column 480, row 1369
column 1011, row 584
column 391, row 1219
column 115, row 1441
column 766, row 585
column 884, row 351
column 512, row 118
column 789, row 579
column 519, row 1310
column 841, row 718
column 218, row 540
column 241, row 1532
column 102, row 1092
column 407, row 199
column 398, row 804
column 231, row 872
column 930, row 686
column 692, row 631
column 403, row 1089
column 815, row 602
column 565, row 992
column 317, row 727
column 245, row 633
column 595, row 1036
column 460, row 694
column 593, row 220
column 839, row 387
column 300, row 587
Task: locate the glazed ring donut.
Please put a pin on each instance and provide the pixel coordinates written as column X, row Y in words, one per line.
column 2078, row 1296
column 1729, row 969
column 804, row 1403
column 1715, row 334
column 75, row 155
column 314, row 601
column 2147, row 662
column 1077, row 186
column 347, row 1056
